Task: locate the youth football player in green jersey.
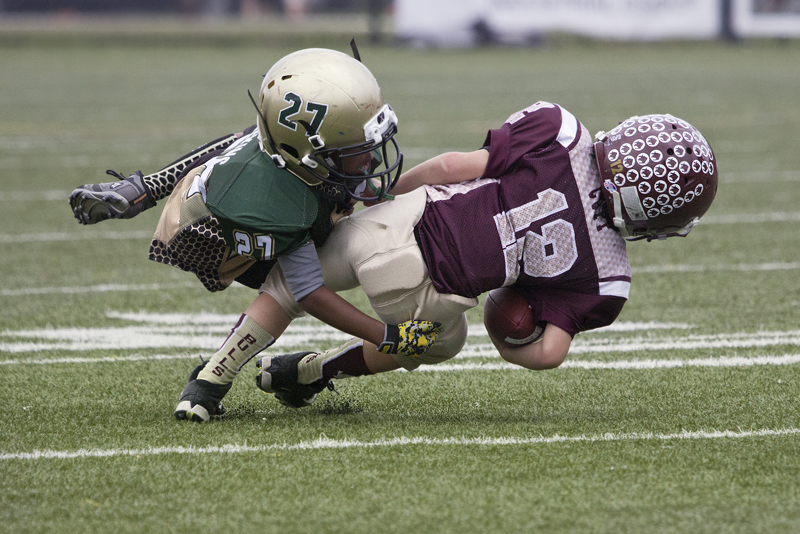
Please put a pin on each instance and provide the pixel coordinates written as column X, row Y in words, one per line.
column 264, row 199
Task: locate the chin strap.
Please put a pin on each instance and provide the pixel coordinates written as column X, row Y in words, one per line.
column 377, row 190
column 617, row 218
column 683, row 232
column 619, row 222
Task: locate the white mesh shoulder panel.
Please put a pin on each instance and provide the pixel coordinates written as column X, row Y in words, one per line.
column 608, row 246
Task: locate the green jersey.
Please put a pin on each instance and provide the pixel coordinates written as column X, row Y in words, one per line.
column 264, row 212
column 235, row 214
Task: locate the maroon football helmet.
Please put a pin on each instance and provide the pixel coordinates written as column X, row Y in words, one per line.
column 659, row 176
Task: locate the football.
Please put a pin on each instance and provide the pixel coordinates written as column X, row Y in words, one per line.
column 509, row 318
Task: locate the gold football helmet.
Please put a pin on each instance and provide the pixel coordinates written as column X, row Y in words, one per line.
column 322, row 116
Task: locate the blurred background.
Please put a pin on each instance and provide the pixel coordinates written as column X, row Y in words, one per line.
column 450, row 23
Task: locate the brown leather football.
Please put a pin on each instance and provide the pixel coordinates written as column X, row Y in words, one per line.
column 508, row 317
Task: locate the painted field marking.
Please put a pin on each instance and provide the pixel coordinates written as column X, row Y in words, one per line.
column 204, row 318
column 307, row 323
column 643, row 269
column 74, row 236
column 209, row 338
column 738, row 267
column 203, row 331
column 423, row 153
column 630, row 326
column 751, row 218
column 132, row 338
column 206, row 331
column 723, row 361
column 100, row 288
column 738, row 218
column 760, row 177
column 619, row 326
column 101, row 359
column 324, row 443
column 34, row 196
column 585, row 345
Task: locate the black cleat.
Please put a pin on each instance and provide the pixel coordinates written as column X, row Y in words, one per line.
column 201, row 400
column 278, row 375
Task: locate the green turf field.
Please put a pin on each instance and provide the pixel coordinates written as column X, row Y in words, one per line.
column 682, row 419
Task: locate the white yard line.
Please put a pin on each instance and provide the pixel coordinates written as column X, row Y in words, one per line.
column 202, row 318
column 421, row 153
column 735, row 267
column 308, row 324
column 752, row 218
column 760, row 177
column 647, row 326
column 206, row 331
column 324, row 443
column 725, row 361
column 198, row 337
column 208, row 338
column 99, row 288
column 586, row 344
column 589, row 345
column 35, row 196
column 643, row 269
column 132, row 339
column 81, row 234
column 77, row 235
column 101, row 359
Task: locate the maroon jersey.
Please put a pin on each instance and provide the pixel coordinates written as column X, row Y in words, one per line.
column 531, row 223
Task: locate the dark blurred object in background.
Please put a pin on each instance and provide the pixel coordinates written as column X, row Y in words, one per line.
column 190, row 7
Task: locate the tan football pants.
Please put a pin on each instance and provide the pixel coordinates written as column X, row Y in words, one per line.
column 375, row 248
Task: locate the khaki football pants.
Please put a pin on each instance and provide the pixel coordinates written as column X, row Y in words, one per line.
column 375, row 248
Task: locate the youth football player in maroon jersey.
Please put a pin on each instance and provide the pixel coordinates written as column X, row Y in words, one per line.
column 541, row 207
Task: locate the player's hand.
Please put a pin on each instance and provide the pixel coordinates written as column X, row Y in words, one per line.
column 92, row 203
column 342, row 210
column 411, row 338
column 368, row 203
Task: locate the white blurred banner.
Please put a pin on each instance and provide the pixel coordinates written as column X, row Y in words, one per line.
column 766, row 18
column 467, row 22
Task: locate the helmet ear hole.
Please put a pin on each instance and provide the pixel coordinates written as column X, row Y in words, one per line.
column 290, row 150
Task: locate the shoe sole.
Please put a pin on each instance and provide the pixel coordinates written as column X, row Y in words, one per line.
column 196, row 413
column 265, row 384
column 308, row 401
